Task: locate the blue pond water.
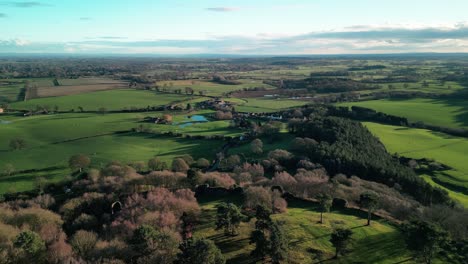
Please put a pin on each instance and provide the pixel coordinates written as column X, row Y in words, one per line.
column 194, row 119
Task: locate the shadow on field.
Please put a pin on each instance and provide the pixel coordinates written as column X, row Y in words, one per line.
column 458, row 99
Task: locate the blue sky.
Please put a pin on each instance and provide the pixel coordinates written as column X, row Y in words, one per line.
column 233, row 27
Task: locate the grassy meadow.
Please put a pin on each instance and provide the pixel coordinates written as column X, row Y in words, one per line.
column 421, row 143
column 259, row 105
column 212, row 88
column 111, row 100
column 309, row 240
column 52, row 139
column 440, row 112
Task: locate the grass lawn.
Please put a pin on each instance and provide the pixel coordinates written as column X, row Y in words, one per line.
column 421, row 143
column 111, row 100
column 309, row 240
column 440, row 112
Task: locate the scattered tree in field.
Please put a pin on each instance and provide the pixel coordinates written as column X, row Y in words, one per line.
column 278, row 243
column 260, row 235
column 256, row 146
column 325, row 203
column 199, row 251
column 79, row 162
column 424, row 239
column 31, row 245
column 56, row 82
column 189, row 90
column 83, row 243
column 179, row 165
column 228, row 217
column 370, row 201
column 340, row 239
column 8, row 169
column 81, row 109
column 269, row 237
column 17, row 144
column 406, row 86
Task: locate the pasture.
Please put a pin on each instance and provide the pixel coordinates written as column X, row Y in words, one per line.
column 451, row 113
column 111, row 100
column 52, row 139
column 421, row 143
column 309, row 240
column 211, row 88
column 259, row 105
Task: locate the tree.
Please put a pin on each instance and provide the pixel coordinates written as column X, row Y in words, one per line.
column 278, row 243
column 79, row 162
column 228, row 217
column 151, row 244
column 425, row 239
column 83, row 243
column 56, row 82
column 31, row 244
column 256, row 146
column 8, row 169
column 203, row 163
column 155, row 164
column 370, row 201
column 179, row 165
column 325, row 203
column 259, row 236
column 199, row 251
column 17, row 143
column 340, row 239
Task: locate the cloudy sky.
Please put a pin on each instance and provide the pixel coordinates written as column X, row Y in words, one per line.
column 247, row 27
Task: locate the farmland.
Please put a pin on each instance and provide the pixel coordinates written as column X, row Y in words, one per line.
column 110, row 100
column 169, row 141
column 420, row 143
column 451, row 112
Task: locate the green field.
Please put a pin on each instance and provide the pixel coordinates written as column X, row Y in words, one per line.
column 309, row 240
column 212, row 88
column 258, row 105
column 440, row 112
column 111, row 100
column 421, row 143
column 52, row 139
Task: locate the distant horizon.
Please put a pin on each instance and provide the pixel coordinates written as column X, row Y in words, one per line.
column 242, row 27
column 220, row 55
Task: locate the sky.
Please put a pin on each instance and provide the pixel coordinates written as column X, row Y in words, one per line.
column 244, row 27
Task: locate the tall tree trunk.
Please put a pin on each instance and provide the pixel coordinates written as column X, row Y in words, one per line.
column 321, row 217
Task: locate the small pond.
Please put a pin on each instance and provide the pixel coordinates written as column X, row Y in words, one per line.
column 192, row 120
column 2, row 122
